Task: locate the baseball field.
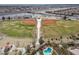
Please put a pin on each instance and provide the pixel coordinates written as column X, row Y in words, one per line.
column 50, row 28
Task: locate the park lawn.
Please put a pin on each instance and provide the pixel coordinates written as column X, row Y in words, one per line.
column 19, row 29
column 61, row 28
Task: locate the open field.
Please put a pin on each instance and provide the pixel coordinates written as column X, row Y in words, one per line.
column 61, row 28
column 50, row 28
column 16, row 29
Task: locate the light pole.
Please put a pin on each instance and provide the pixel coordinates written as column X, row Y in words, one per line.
column 38, row 32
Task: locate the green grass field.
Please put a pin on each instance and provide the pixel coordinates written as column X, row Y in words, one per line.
column 61, row 28
column 18, row 29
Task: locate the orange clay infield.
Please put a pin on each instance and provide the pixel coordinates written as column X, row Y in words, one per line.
column 44, row 22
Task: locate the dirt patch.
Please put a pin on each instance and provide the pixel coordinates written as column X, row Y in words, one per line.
column 44, row 21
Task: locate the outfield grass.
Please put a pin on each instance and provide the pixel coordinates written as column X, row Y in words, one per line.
column 19, row 29
column 61, row 28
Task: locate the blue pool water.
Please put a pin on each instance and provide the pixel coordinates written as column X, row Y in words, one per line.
column 47, row 51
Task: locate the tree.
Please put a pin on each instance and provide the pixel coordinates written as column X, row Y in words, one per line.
column 9, row 18
column 3, row 18
column 69, row 19
column 64, row 17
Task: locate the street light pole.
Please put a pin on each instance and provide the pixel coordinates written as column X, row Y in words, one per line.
column 38, row 25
